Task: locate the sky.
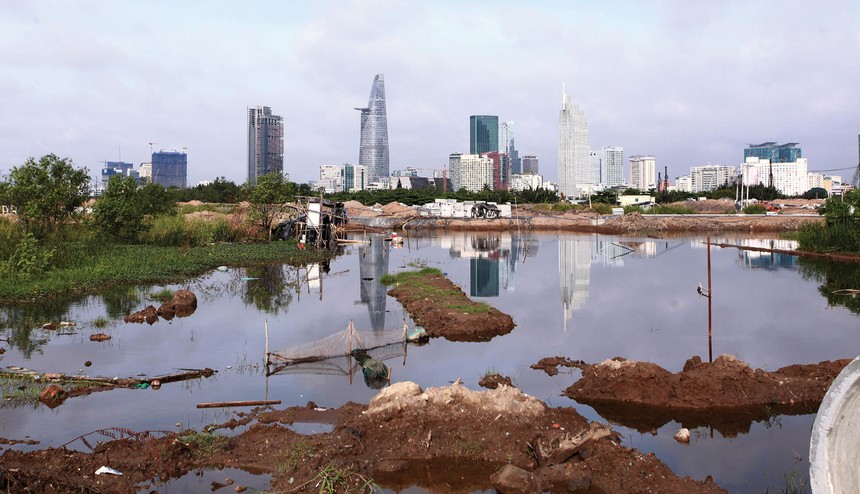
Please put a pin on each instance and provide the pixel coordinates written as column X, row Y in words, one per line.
column 690, row 83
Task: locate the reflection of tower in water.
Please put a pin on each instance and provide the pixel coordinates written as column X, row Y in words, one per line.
column 373, row 265
column 574, row 269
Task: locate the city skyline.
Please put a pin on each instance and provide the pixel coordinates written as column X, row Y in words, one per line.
column 698, row 94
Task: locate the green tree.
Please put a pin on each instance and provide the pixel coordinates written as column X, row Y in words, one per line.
column 815, row 193
column 45, row 192
column 268, row 200
column 119, row 213
column 154, row 199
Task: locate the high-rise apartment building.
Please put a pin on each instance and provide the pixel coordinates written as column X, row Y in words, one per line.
column 788, row 178
column 613, row 166
column 775, row 153
column 709, row 177
column 483, row 134
column 470, row 171
column 373, row 149
column 501, row 170
column 530, row 165
column 574, row 170
column 265, row 143
column 643, row 172
column 595, row 163
column 170, row 168
column 330, row 178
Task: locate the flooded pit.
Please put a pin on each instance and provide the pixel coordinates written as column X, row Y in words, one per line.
column 586, row 297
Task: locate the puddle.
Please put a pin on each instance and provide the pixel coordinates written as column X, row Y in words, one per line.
column 440, row 475
column 225, row 480
column 310, row 428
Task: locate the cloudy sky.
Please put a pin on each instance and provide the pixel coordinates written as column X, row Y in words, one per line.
column 689, row 82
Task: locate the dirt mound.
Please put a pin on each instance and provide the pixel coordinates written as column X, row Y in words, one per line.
column 194, row 202
column 550, row 365
column 530, row 447
column 399, row 210
column 357, row 209
column 714, row 206
column 493, row 381
column 442, row 308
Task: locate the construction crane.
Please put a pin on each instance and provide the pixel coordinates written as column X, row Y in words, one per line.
column 150, row 146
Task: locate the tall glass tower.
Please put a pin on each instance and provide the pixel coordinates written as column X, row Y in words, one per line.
column 483, row 134
column 265, row 143
column 373, row 148
column 574, row 165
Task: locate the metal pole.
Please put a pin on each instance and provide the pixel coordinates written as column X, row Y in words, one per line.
column 710, row 297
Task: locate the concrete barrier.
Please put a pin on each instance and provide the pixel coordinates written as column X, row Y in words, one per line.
column 833, row 452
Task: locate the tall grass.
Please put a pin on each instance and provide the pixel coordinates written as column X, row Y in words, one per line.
column 224, row 208
column 177, row 231
column 836, row 237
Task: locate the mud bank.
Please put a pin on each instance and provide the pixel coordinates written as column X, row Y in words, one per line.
column 595, row 223
column 727, row 394
column 500, row 438
column 442, row 308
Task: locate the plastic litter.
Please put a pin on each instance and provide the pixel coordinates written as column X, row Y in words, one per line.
column 142, row 385
column 109, row 470
column 223, row 269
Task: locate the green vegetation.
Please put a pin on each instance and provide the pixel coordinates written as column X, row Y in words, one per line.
column 88, row 266
column 667, row 209
column 755, row 209
column 100, row 322
column 450, row 298
column 46, row 193
column 204, row 443
column 333, row 479
column 840, row 232
column 163, row 295
column 18, row 390
column 133, row 235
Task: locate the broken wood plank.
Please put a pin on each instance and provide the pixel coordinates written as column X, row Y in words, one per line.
column 222, row 404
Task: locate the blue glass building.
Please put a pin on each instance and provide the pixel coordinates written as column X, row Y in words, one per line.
column 483, row 134
column 170, row 169
column 373, row 148
column 776, row 153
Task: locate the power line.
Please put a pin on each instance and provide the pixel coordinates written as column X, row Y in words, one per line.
column 835, row 169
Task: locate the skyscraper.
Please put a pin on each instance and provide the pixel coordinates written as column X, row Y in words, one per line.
column 483, row 134
column 530, row 165
column 265, row 143
column 574, row 167
column 613, row 166
column 373, row 148
column 596, row 166
column 170, row 168
column 507, row 145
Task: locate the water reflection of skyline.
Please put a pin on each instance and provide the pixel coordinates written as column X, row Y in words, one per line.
column 493, row 259
column 372, row 266
column 576, row 254
column 749, row 259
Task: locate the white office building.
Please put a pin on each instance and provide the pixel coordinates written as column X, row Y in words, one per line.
column 613, row 166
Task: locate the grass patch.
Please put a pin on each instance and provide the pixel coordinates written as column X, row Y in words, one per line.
column 449, row 298
column 333, row 479
column 223, row 208
column 100, row 322
column 669, row 209
column 18, row 390
column 409, row 276
column 87, row 266
column 204, row 443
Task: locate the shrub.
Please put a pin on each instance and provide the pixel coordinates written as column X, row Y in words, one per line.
column 755, row 209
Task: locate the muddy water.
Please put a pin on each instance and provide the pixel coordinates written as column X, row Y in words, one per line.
column 581, row 296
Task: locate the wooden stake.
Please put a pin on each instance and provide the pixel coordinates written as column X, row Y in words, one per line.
column 222, row 404
column 267, row 340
